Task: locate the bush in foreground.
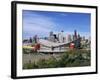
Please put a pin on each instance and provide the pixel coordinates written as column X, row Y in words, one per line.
column 72, row 58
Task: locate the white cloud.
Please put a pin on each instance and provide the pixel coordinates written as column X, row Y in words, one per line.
column 37, row 24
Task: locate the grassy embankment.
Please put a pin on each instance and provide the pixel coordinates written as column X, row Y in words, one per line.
column 72, row 58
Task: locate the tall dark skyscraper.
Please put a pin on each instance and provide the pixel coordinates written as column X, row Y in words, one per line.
column 75, row 34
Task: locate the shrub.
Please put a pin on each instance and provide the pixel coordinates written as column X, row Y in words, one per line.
column 72, row 58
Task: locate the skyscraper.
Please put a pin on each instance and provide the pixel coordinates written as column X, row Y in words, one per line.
column 75, row 34
column 68, row 38
column 78, row 36
column 51, row 33
column 61, row 37
column 51, row 37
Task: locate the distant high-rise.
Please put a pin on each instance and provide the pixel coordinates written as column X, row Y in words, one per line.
column 72, row 38
column 35, row 38
column 51, row 33
column 78, row 36
column 75, row 34
column 61, row 37
column 51, row 37
column 68, row 38
column 83, row 38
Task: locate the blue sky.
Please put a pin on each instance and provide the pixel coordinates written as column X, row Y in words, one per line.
column 42, row 22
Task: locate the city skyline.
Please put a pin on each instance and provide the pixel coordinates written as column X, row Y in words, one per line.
column 42, row 22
